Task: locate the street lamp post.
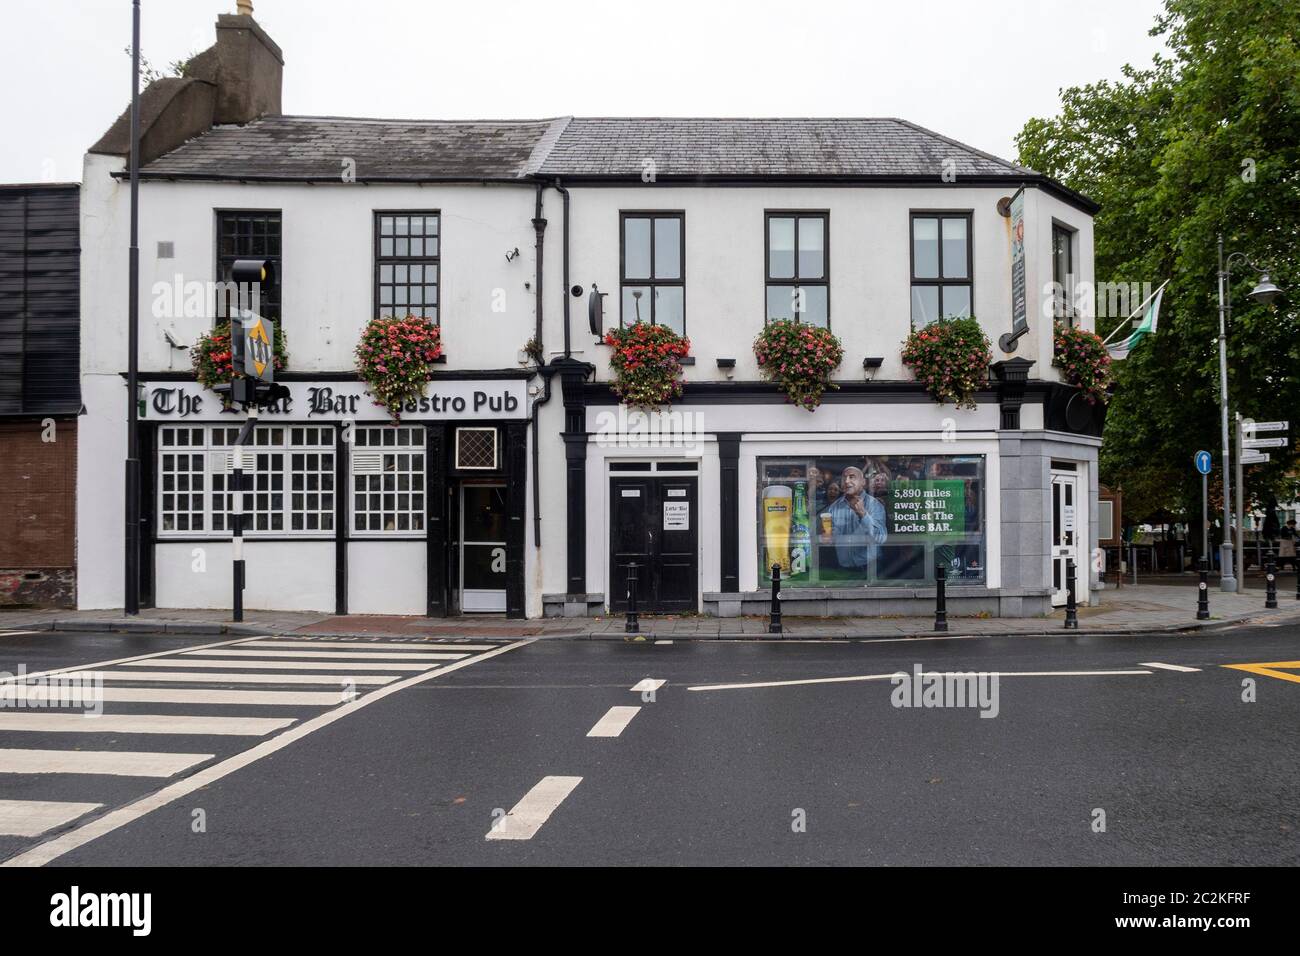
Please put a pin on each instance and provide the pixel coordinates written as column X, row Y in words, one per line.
column 1264, row 292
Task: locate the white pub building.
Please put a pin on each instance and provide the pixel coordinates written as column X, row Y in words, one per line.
column 519, row 485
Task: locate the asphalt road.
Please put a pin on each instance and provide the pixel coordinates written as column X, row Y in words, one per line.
column 1185, row 771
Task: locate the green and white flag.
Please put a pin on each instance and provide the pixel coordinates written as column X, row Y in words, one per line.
column 1147, row 326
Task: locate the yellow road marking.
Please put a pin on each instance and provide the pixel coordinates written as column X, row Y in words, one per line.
column 1271, row 669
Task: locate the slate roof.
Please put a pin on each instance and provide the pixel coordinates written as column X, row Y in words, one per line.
column 764, row 147
column 297, row 148
column 303, row 148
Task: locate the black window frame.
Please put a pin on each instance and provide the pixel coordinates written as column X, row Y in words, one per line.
column 797, row 281
column 395, row 260
column 969, row 281
column 1063, row 310
column 272, row 297
column 652, row 214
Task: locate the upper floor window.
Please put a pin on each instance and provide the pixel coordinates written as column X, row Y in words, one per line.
column 249, row 234
column 407, row 250
column 941, row 266
column 653, row 270
column 798, row 267
column 1063, row 272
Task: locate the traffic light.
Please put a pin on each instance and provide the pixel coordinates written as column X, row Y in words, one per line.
column 253, row 271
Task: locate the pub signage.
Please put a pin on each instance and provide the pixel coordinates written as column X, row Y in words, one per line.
column 442, row 401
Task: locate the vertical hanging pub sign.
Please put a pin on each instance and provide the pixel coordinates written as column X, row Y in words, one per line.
column 1019, row 303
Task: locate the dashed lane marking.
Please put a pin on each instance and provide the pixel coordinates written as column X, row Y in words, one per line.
column 527, row 816
column 647, row 684
column 614, row 722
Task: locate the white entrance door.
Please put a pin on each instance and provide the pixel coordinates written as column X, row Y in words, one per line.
column 482, row 548
column 1065, row 536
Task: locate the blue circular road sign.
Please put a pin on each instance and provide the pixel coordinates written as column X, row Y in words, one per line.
column 1202, row 459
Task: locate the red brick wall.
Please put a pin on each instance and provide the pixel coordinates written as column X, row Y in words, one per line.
column 38, row 537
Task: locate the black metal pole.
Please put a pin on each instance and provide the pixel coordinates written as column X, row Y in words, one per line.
column 131, row 601
column 1071, row 605
column 1203, row 592
column 237, row 513
column 1270, row 579
column 774, row 624
column 940, row 597
column 631, row 625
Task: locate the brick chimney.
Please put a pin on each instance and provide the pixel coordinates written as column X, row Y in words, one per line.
column 234, row 81
column 247, row 67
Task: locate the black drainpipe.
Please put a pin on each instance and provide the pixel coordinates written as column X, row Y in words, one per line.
column 539, row 224
column 568, row 351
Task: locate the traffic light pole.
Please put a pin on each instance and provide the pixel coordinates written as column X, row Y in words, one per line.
column 239, row 504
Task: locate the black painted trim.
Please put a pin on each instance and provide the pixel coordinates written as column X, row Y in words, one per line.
column 729, row 507
column 435, row 502
column 516, row 466
column 350, row 376
column 342, row 493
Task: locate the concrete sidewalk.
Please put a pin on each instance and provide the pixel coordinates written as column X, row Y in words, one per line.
column 1134, row 609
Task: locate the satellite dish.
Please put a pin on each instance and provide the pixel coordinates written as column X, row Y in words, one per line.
column 596, row 311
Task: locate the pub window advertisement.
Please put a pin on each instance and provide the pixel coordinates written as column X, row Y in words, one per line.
column 862, row 521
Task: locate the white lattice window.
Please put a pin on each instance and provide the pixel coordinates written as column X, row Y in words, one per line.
column 476, row 449
column 388, row 480
column 182, row 484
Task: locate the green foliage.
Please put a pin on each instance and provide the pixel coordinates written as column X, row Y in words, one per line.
column 1204, row 141
column 1083, row 360
column 647, row 364
column 800, row 358
column 395, row 359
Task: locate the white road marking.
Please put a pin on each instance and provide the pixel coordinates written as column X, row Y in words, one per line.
column 67, row 842
column 372, row 646
column 612, row 724
column 29, row 818
column 1174, row 667
column 16, row 633
column 663, row 642
column 841, row 680
column 527, row 816
column 648, row 684
column 284, row 665
column 368, row 655
column 202, row 677
column 120, row 660
column 203, row 695
column 143, row 724
column 118, row 763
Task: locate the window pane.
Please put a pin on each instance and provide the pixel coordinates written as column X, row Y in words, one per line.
column 668, row 248
column 956, row 300
column 925, row 248
column 780, row 302
column 925, row 304
column 812, row 248
column 816, row 311
column 636, row 248
column 780, row 248
column 636, row 304
column 670, row 308
column 954, row 249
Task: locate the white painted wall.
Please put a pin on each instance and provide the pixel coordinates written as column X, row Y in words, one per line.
column 386, row 577
column 279, row 575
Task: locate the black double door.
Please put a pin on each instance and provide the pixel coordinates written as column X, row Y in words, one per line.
column 654, row 524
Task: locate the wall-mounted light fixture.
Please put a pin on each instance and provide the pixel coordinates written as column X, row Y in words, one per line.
column 728, row 366
column 870, row 364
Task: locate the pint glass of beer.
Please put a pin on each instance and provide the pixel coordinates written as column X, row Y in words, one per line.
column 776, row 526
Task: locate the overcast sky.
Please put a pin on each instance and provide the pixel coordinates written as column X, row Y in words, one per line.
column 973, row 70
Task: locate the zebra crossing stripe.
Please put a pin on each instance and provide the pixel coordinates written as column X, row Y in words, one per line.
column 118, row 763
column 370, row 645
column 202, row 677
column 143, row 724
column 283, row 665
column 29, row 818
column 366, row 655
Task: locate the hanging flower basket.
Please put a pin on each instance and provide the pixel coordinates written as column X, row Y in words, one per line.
column 1083, row 361
column 213, row 358
column 951, row 358
column 647, row 363
column 395, row 359
column 800, row 358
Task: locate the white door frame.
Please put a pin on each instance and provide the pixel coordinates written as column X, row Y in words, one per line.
column 477, row 600
column 1067, row 534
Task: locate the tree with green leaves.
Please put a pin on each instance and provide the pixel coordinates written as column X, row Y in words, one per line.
column 1204, row 141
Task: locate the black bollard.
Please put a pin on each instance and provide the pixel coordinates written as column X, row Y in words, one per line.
column 940, row 597
column 1203, row 592
column 1071, row 607
column 631, row 625
column 774, row 625
column 1270, row 579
